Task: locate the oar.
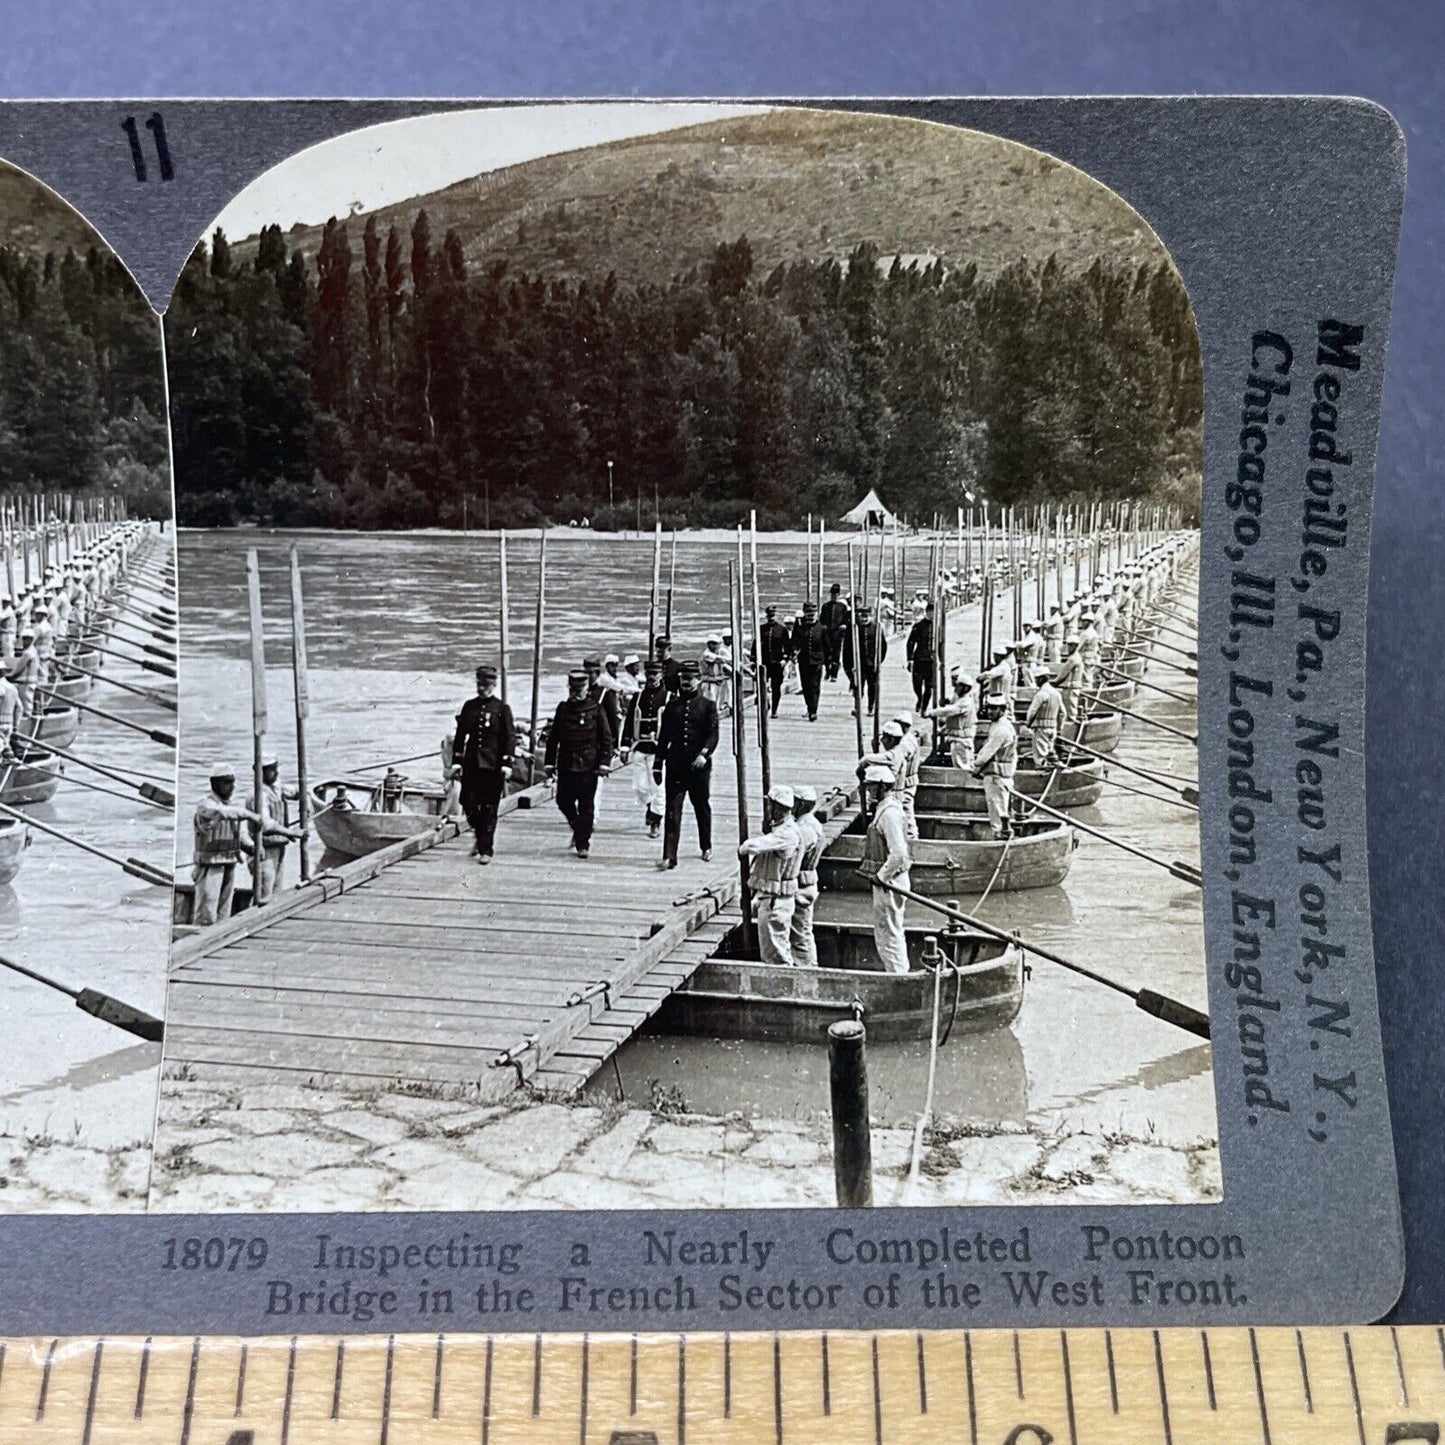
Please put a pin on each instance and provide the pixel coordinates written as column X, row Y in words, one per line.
column 156, row 633
column 1153, row 722
column 1188, row 791
column 165, row 739
column 117, row 604
column 147, row 789
column 1185, row 872
column 100, row 1005
column 159, row 667
column 1159, row 1005
column 101, row 788
column 1167, row 646
column 1174, row 631
column 1127, row 651
column 160, row 699
column 1152, row 686
column 148, row 666
column 136, row 867
column 377, row 767
column 1145, row 793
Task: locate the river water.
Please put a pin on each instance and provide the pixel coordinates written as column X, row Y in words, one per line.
column 395, row 626
column 66, row 1079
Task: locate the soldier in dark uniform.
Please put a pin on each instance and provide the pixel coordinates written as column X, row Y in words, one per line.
column 836, row 621
column 872, row 648
column 579, row 746
column 686, row 742
column 484, row 748
column 671, row 667
column 810, row 647
column 608, row 697
column 921, row 661
column 777, row 647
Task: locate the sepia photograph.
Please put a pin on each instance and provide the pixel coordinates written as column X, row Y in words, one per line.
column 688, row 641
column 88, row 662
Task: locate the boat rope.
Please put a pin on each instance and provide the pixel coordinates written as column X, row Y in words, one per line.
column 925, row 1117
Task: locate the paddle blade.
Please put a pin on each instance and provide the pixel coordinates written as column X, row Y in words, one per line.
column 139, row 868
column 162, row 796
column 166, row 740
column 1187, row 873
column 1173, row 1012
column 112, row 1011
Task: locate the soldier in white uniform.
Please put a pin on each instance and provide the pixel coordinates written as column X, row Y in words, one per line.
column 886, row 859
column 1046, row 711
column 958, row 720
column 996, row 763
column 216, row 825
column 810, row 830
column 275, row 833
column 773, row 862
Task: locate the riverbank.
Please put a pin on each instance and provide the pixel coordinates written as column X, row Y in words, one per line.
column 297, row 1148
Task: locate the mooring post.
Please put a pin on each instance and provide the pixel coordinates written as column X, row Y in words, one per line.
column 852, row 1143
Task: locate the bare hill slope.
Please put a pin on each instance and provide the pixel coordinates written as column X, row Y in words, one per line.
column 796, row 182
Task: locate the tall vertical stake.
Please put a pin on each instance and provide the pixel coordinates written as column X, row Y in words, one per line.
column 762, row 679
column 537, row 655
column 301, row 686
column 258, row 693
column 504, row 636
column 740, row 739
column 656, row 583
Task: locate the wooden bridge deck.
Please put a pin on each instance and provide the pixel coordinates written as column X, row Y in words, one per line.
column 417, row 965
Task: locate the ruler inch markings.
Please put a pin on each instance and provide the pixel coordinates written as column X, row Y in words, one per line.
column 840, row 1387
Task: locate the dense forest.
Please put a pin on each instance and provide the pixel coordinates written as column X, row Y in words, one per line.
column 386, row 382
column 82, row 399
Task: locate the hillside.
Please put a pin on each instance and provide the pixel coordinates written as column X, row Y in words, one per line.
column 32, row 218
column 798, row 183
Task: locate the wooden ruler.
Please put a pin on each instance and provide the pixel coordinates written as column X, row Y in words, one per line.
column 1365, row 1386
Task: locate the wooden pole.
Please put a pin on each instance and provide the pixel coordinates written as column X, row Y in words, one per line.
column 822, row 533
column 671, row 583
column 740, row 741
column 537, row 655
column 301, row 684
column 258, row 695
column 503, row 629
column 848, row 1090
column 762, row 681
column 656, row 583
column 857, row 651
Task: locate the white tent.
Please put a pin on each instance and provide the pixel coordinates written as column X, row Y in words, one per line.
column 870, row 512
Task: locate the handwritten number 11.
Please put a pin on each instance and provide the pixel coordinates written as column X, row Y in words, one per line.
column 157, row 128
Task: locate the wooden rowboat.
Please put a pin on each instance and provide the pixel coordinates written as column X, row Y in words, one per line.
column 1080, row 784
column 57, row 725
column 33, row 780
column 982, row 988
column 14, row 840
column 356, row 820
column 70, row 687
column 958, row 854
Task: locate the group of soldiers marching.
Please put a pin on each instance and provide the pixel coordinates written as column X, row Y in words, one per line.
column 36, row 626
column 657, row 718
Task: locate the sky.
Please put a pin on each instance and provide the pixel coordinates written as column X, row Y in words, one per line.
column 383, row 164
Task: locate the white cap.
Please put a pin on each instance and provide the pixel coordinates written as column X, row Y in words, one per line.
column 903, row 716
column 269, row 761
column 715, row 637
column 631, row 660
column 892, row 726
column 878, row 773
column 1041, row 672
column 805, row 794
column 781, row 794
column 610, row 659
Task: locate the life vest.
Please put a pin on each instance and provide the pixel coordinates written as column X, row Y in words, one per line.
column 776, row 873
column 217, row 837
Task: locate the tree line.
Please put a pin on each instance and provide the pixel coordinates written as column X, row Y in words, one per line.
column 82, row 397
column 395, row 384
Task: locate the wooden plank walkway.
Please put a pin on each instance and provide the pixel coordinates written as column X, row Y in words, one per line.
column 417, row 965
